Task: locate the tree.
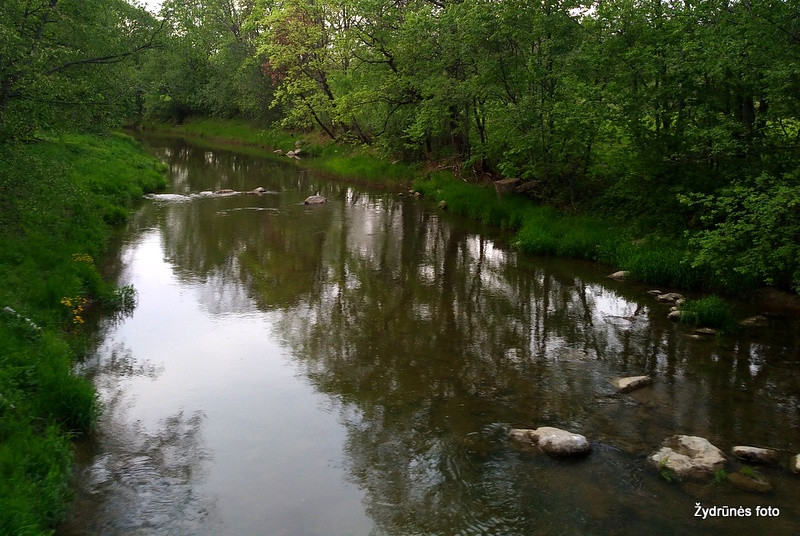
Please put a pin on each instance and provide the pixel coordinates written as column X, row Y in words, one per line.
column 62, row 62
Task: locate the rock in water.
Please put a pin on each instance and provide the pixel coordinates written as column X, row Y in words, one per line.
column 619, row 276
column 315, row 200
column 750, row 482
column 794, row 465
column 688, row 457
column 669, row 297
column 674, row 316
column 705, row 331
column 167, row 197
column 758, row 321
column 553, row 441
column 755, row 454
column 626, row 385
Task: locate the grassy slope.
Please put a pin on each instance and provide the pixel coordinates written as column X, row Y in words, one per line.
column 58, row 199
column 344, row 162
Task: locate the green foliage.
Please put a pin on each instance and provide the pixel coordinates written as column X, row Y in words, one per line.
column 67, row 64
column 543, row 230
column 751, row 472
column 720, row 476
column 237, row 131
column 206, row 66
column 56, row 198
column 751, row 231
column 667, row 473
column 339, row 160
column 653, row 116
column 711, row 312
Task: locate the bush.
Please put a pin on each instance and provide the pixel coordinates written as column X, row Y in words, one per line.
column 751, row 232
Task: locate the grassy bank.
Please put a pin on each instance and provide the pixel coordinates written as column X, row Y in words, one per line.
column 355, row 164
column 59, row 198
column 543, row 230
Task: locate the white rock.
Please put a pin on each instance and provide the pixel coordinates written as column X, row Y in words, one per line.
column 631, row 383
column 755, row 454
column 794, row 465
column 619, row 276
column 688, row 457
column 669, row 297
column 705, row 331
column 553, row 441
column 315, row 200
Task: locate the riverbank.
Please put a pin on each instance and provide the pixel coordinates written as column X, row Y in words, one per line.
column 354, row 164
column 653, row 256
column 60, row 197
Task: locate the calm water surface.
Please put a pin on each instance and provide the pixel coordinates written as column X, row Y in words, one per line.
column 353, row 369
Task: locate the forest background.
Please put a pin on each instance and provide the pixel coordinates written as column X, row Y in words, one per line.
column 673, row 116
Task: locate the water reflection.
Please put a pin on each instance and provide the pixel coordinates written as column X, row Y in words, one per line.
column 134, row 478
column 428, row 339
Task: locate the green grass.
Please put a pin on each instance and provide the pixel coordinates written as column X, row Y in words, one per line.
column 233, row 130
column 58, row 198
column 354, row 163
column 543, row 230
column 710, row 312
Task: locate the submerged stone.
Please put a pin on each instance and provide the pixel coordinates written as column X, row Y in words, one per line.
column 631, row 383
column 705, row 331
column 758, row 321
column 553, row 441
column 315, row 200
column 755, row 454
column 750, row 482
column 669, row 297
column 619, row 276
column 688, row 457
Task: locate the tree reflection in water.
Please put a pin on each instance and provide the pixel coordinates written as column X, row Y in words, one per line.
column 432, row 338
column 135, row 479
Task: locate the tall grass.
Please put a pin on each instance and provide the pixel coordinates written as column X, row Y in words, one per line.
column 543, row 230
column 711, row 312
column 57, row 200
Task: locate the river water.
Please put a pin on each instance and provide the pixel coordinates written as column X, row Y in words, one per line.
column 353, row 369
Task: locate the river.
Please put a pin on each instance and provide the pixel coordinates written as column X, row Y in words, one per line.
column 353, row 368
